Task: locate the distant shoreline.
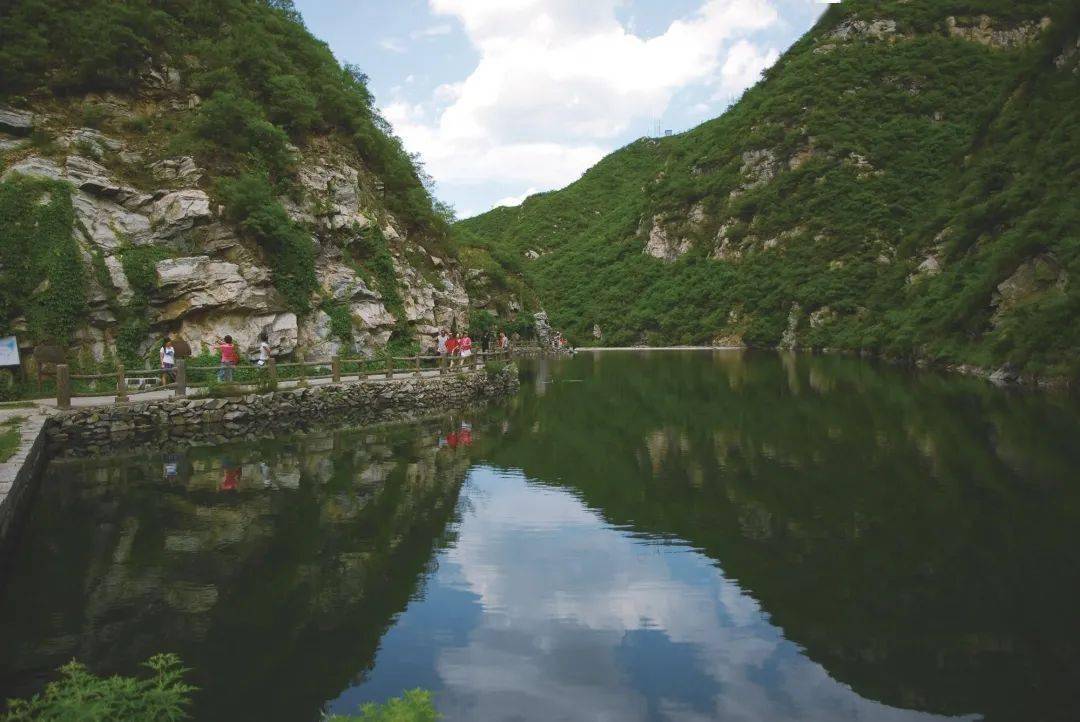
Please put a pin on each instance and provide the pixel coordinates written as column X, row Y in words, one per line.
column 659, row 348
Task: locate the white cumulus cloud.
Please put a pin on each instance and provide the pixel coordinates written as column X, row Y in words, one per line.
column 512, row 201
column 744, row 65
column 559, row 81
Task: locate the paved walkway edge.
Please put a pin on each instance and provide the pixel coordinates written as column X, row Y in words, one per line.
column 19, row 474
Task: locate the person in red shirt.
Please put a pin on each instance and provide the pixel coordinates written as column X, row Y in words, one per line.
column 229, row 358
column 230, row 480
column 451, row 347
column 465, row 348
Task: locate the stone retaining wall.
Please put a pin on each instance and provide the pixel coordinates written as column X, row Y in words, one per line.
column 18, row 474
column 369, row 400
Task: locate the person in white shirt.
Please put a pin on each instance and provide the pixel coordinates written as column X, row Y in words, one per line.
column 264, row 349
column 167, row 356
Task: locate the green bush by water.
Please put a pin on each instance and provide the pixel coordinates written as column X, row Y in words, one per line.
column 80, row 695
column 165, row 697
column 414, row 706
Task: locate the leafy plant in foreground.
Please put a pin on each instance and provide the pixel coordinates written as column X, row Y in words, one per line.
column 80, row 695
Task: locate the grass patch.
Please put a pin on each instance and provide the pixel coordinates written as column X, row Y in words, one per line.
column 10, row 437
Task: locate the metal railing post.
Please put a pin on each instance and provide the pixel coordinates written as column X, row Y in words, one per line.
column 121, row 385
column 390, row 368
column 335, row 369
column 181, row 378
column 419, row 369
column 63, row 387
column 271, row 369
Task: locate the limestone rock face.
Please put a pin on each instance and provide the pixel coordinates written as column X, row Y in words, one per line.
column 199, row 283
column 214, row 278
column 177, row 170
column 661, row 245
column 544, row 332
column 995, row 35
column 1034, row 278
column 342, row 283
column 758, row 168
column 109, row 225
column 17, row 122
column 790, row 339
column 35, row 167
column 118, row 279
column 726, row 249
column 930, row 266
column 864, row 29
column 90, row 141
column 430, row 305
column 332, row 196
column 179, row 211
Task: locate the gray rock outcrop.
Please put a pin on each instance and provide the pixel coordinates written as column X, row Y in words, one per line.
column 987, row 31
column 661, row 245
column 212, row 281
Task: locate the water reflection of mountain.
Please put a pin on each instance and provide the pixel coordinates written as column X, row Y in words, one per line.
column 915, row 534
column 273, row 568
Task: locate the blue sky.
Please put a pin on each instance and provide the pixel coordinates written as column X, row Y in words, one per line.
column 503, row 98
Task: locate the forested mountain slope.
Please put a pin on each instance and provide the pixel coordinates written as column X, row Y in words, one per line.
column 905, row 181
column 203, row 167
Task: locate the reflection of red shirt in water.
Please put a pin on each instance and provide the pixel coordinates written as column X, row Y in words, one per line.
column 231, row 480
column 459, row 438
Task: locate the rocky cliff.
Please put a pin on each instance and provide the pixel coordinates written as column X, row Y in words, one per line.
column 899, row 183
column 200, row 203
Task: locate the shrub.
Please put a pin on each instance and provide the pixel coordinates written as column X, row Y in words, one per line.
column 291, row 105
column 372, row 252
column 42, row 273
column 250, row 202
column 414, row 706
column 140, row 267
column 80, row 695
column 239, row 127
column 494, row 369
column 341, row 326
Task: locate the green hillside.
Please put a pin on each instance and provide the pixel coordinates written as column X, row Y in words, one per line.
column 903, row 181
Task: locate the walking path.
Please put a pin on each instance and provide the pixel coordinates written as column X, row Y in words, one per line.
column 194, row 391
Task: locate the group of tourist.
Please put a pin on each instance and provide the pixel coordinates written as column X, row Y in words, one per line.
column 453, row 347
column 225, row 347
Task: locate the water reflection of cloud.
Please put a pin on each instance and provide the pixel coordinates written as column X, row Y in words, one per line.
column 583, row 621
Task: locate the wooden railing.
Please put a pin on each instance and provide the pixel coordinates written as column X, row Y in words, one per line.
column 334, row 370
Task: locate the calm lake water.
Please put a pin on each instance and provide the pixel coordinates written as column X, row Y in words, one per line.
column 665, row 536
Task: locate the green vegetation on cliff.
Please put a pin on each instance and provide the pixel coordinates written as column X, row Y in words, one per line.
column 41, row 274
column 903, row 180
